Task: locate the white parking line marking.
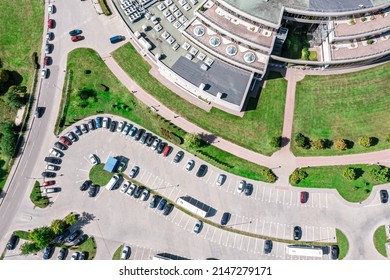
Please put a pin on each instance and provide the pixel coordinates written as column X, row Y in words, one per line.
column 211, row 174
column 270, row 195
column 262, row 197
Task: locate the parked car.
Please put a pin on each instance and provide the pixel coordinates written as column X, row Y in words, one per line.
column 126, row 128
column 154, row 201
column 93, row 190
column 138, row 134
column 113, row 126
column 241, row 186
column 49, row 35
column 221, row 179
column 56, row 152
column 125, row 187
column 44, row 72
column 248, row 189
column 268, row 246
column 51, row 23
column 47, row 252
column 12, row 242
column 106, row 122
column 168, row 209
column 144, row 136
column 161, row 147
column 91, row 124
column 297, row 233
column 202, row 170
column 133, row 131
column 60, row 146
column 121, row 166
column 47, row 48
column 93, row 159
column 145, row 195
column 85, row 185
column 178, row 157
column 155, row 144
column 50, row 9
column 80, row 240
column 48, row 183
column 73, row 236
column 51, row 190
column 77, row 130
column 83, row 256
column 63, row 236
column 161, row 204
column 125, row 253
column 334, row 252
column 134, row 172
column 46, row 60
column 225, row 218
column 48, row 174
column 77, row 38
column 75, row 256
column 190, row 165
column 62, row 254
column 54, row 160
column 304, row 197
column 384, row 196
column 167, row 150
column 84, row 128
column 198, row 227
column 138, row 192
column 121, row 126
column 72, row 137
column 149, row 140
column 130, row 191
column 64, row 140
column 75, row 32
column 38, row 112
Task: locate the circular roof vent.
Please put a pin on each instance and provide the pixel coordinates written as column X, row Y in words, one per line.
column 215, row 42
column 231, row 50
column 249, row 57
column 199, row 31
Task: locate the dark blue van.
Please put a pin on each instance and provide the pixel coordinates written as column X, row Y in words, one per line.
column 116, row 39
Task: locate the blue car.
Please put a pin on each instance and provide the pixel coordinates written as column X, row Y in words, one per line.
column 161, row 204
column 99, row 122
column 75, row 32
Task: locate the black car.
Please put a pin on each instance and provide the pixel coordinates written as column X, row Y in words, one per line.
column 93, row 190
column 91, row 124
column 248, row 189
column 161, row 147
column 12, row 242
column 53, row 160
column 167, row 209
column 384, row 196
column 139, row 134
column 60, row 146
column 85, row 185
column 72, row 137
column 47, row 252
column 225, row 218
column 80, row 240
column 267, row 246
column 83, row 256
column 133, row 131
column 138, row 192
column 38, row 112
column 62, row 254
column 178, row 157
column 77, row 130
column 149, row 140
column 113, row 126
column 154, row 201
column 99, row 122
column 48, row 174
column 334, row 250
column 73, row 236
column 297, row 233
column 144, row 137
column 202, row 170
column 63, row 235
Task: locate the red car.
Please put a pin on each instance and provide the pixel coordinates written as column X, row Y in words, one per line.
column 65, row 141
column 304, row 197
column 77, row 38
column 46, row 60
column 48, row 183
column 166, row 151
column 51, row 23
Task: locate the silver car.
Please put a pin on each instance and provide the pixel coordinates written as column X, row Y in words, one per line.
column 190, row 165
column 221, row 179
column 198, row 227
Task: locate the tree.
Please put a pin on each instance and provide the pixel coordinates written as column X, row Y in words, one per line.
column 8, row 139
column 297, row 176
column 58, row 226
column 71, row 219
column 14, row 100
column 42, row 236
column 340, row 144
column 318, row 144
column 305, row 54
column 192, row 140
column 301, row 141
column 350, row 173
column 4, row 76
column 271, row 177
column 365, row 141
column 380, row 173
column 29, row 248
column 276, row 142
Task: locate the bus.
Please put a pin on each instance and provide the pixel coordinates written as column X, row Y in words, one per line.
column 191, row 207
column 306, row 251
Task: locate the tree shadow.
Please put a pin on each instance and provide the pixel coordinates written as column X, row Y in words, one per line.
column 284, row 142
column 84, row 219
column 328, row 143
column 207, row 139
column 349, row 143
column 374, row 141
column 359, row 172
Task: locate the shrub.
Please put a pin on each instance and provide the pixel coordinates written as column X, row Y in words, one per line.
column 365, row 141
column 269, row 174
column 171, row 136
column 301, row 141
column 350, row 173
column 318, row 144
column 192, row 140
column 297, row 176
column 387, row 139
column 71, row 219
column 4, row 76
column 351, row 21
column 29, row 248
column 276, row 142
column 380, row 173
column 305, row 54
column 8, row 139
column 370, row 41
column 340, row 144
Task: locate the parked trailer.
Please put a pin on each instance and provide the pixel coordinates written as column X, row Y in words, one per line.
column 306, row 251
column 192, row 208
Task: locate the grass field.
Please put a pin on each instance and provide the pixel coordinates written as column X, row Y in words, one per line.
column 37, row 198
column 344, row 106
column 114, row 98
column 117, row 253
column 331, row 177
column 88, row 246
column 261, row 122
column 380, row 239
column 20, row 36
column 99, row 176
column 343, row 243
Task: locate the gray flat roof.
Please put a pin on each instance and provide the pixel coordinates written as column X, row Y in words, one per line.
column 271, row 10
column 220, row 77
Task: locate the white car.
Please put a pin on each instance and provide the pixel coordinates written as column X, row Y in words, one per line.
column 145, row 195
column 44, row 73
column 120, row 126
column 55, row 153
column 125, row 253
column 105, row 122
column 130, row 190
column 50, row 9
column 93, row 159
column 221, row 179
column 125, row 187
column 50, row 167
column 190, row 165
column 156, row 142
column 75, row 256
column 49, row 36
column 241, row 186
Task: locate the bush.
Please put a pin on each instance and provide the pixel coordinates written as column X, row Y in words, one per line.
column 318, row 144
column 71, row 219
column 301, row 141
column 8, row 139
column 380, row 174
column 29, row 248
column 305, row 54
column 340, row 144
column 387, row 139
column 297, row 176
column 365, row 141
column 276, row 142
column 350, row 173
column 370, row 41
column 192, row 140
column 4, row 76
column 271, row 177
column 171, row 136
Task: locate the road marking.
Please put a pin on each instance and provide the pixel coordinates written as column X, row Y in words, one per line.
column 220, row 237
column 277, row 197
column 284, row 197
column 228, row 186
column 326, row 200
column 262, row 229
column 270, row 195
column 262, row 197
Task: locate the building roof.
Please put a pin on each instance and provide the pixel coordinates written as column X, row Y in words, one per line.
column 111, row 164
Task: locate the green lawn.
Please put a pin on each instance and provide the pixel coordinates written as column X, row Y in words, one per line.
column 37, row 198
column 343, row 244
column 99, row 176
column 331, row 177
column 114, row 98
column 21, row 23
column 380, row 240
column 263, row 118
column 344, row 106
column 88, row 246
column 117, row 253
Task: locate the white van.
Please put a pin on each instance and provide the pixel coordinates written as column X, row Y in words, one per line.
column 112, row 183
